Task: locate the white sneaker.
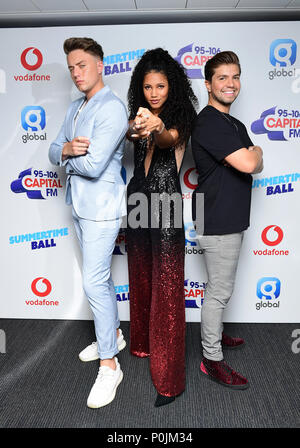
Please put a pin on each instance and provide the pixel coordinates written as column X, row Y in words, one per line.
column 104, row 390
column 90, row 353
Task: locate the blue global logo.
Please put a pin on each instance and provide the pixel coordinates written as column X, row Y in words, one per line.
column 33, row 118
column 268, row 288
column 283, row 52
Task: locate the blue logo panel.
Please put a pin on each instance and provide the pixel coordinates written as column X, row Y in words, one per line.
column 283, row 52
column 268, row 288
column 33, row 118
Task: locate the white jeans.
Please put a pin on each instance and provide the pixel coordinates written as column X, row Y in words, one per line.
column 97, row 241
column 221, row 253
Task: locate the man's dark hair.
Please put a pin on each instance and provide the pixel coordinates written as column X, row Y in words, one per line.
column 83, row 43
column 225, row 57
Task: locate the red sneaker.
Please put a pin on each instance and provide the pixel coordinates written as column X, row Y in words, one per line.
column 220, row 372
column 230, row 343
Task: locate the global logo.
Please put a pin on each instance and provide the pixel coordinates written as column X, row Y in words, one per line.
column 191, row 242
column 272, row 235
column 31, row 58
column 33, row 118
column 283, row 52
column 41, row 287
column 268, row 288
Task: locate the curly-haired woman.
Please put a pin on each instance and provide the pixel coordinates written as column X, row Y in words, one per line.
column 161, row 111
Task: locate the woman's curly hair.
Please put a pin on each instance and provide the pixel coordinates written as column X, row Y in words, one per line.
column 179, row 109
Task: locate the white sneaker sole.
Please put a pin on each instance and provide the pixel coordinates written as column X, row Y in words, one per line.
column 120, row 347
column 110, row 399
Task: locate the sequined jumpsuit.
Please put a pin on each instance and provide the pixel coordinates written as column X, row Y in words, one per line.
column 156, row 276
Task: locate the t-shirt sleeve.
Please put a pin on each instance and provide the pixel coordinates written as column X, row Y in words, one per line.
column 245, row 136
column 217, row 136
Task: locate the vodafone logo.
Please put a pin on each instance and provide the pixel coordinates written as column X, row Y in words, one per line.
column 41, row 287
column 190, row 178
column 28, row 61
column 31, row 60
column 272, row 235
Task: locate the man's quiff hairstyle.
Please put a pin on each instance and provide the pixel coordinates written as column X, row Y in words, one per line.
column 83, row 43
column 225, row 57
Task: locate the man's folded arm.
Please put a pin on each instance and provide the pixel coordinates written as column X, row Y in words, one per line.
column 110, row 128
column 246, row 160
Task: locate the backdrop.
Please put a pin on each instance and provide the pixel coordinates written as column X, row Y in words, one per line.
column 41, row 261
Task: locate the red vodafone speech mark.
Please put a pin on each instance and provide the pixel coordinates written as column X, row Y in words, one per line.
column 41, row 293
column 37, row 53
column 187, row 181
column 278, row 239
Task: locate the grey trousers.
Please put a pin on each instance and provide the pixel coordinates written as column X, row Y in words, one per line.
column 221, row 253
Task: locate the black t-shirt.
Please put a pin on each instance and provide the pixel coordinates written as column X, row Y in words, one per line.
column 227, row 191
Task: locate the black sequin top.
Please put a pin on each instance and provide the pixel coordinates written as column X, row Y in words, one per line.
column 163, row 179
column 162, row 175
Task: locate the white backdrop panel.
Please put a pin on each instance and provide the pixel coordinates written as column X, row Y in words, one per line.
column 41, row 262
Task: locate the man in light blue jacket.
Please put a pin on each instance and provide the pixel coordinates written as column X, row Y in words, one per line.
column 90, row 145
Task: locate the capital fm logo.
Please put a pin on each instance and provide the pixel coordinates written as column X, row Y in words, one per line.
column 33, row 120
column 282, row 55
column 120, row 244
column 37, row 184
column 193, row 58
column 271, row 236
column 194, row 293
column 278, row 123
column 41, row 288
column 31, row 60
column 268, row 291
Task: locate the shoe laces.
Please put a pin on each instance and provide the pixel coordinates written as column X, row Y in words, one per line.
column 105, row 373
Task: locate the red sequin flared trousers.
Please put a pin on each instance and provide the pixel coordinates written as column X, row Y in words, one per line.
column 157, row 304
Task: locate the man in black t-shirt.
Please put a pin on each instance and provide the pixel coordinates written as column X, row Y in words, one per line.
column 225, row 157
